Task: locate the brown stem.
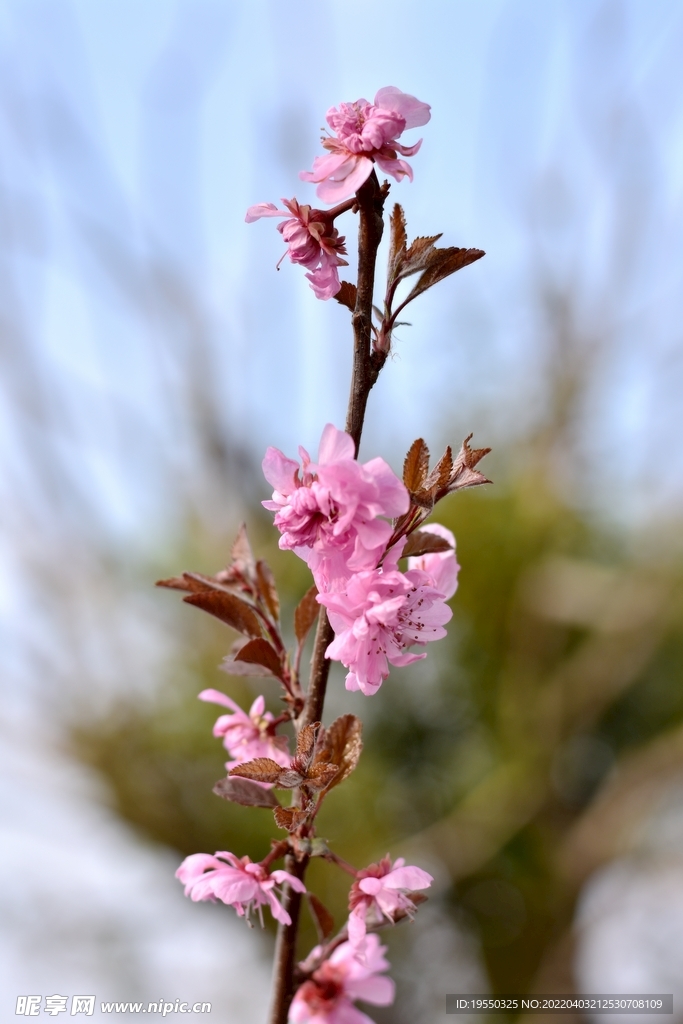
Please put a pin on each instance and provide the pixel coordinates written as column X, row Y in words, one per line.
column 285, row 946
column 366, row 367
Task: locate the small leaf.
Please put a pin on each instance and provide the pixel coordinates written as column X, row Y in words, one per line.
column 192, row 582
column 441, row 263
column 261, row 769
column 241, row 553
column 305, row 743
column 418, row 255
column 260, row 652
column 416, row 465
column 347, row 295
column 248, row 794
column 341, row 745
column 463, row 473
column 321, row 775
column 322, row 918
column 441, row 474
column 232, row 667
column 229, row 609
column 267, row 588
column 306, row 613
column 289, row 817
column 424, row 542
column 397, row 243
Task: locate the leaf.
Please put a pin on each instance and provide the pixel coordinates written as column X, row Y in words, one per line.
column 441, row 263
column 341, row 745
column 347, row 295
column 397, row 243
column 267, row 588
column 261, row 769
column 260, row 652
column 306, row 613
column 419, row 254
column 322, row 918
column 321, row 775
column 241, row 553
column 463, row 473
column 229, row 609
column 423, row 542
column 441, row 474
column 305, row 744
column 289, row 817
column 416, row 466
column 248, row 794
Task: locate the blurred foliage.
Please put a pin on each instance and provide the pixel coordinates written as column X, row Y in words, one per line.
column 555, row 698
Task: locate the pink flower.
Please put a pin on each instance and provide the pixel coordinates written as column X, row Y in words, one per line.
column 246, row 736
column 382, row 891
column 312, row 240
column 381, row 613
column 440, row 566
column 329, row 513
column 327, row 997
column 239, row 883
column 366, row 133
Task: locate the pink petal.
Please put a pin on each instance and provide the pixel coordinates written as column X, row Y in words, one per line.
column 334, row 445
column 335, row 189
column 284, row 876
column 280, row 471
column 377, row 990
column 216, row 697
column 411, row 109
column 396, row 168
column 406, row 878
column 263, row 210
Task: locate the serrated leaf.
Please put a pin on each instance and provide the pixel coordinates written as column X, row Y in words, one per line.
column 248, row 794
column 341, row 745
column 424, row 542
column 463, row 473
column 260, row 652
column 305, row 744
column 229, row 609
column 441, row 474
column 416, row 465
column 267, row 588
column 397, row 243
column 418, row 255
column 321, row 775
column 347, row 295
column 441, row 263
column 261, row 769
column 289, row 818
column 306, row 613
column 322, row 918
column 242, row 668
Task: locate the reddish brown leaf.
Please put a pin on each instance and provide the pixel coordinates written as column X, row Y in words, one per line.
column 260, row 652
column 322, row 918
column 416, row 465
column 441, row 473
column 229, row 609
column 306, row 613
column 267, row 588
column 464, row 474
column 321, row 775
column 423, row 542
column 289, row 818
column 441, row 263
column 188, row 582
column 241, row 553
column 341, row 745
column 232, row 667
column 261, row 769
column 397, row 243
column 290, row 777
column 305, row 744
column 418, row 255
column 347, row 295
column 248, row 794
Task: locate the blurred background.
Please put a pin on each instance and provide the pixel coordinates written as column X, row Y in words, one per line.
column 150, row 352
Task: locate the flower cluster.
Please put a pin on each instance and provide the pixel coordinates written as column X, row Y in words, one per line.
column 348, row 974
column 329, row 512
column 246, row 736
column 237, row 882
column 365, row 134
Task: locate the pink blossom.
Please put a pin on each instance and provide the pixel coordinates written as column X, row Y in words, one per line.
column 246, row 736
column 349, row 974
column 366, row 133
column 381, row 613
column 312, row 240
column 441, row 566
column 328, row 511
column 239, row 883
column 382, row 891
